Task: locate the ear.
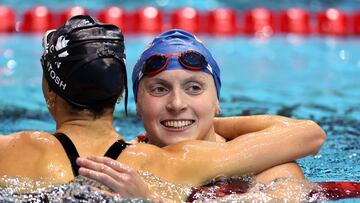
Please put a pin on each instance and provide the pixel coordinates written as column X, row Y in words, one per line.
column 51, row 95
column 50, row 98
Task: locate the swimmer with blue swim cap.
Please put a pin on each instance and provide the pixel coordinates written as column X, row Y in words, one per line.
column 175, row 49
column 176, row 85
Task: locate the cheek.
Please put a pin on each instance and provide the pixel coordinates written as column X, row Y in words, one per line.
column 206, row 112
column 206, row 106
column 148, row 108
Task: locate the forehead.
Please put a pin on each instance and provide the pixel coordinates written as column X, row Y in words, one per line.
column 179, row 75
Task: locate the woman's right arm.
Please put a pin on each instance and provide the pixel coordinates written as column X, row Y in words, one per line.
column 263, row 147
column 194, row 162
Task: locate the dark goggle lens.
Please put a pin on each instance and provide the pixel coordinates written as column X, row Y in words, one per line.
column 154, row 63
column 193, row 59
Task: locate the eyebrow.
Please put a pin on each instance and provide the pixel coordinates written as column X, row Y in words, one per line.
column 187, row 79
column 155, row 79
column 193, row 77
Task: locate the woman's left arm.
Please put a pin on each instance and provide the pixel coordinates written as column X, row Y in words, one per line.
column 232, row 127
column 285, row 182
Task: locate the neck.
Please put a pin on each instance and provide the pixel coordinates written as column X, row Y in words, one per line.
column 91, row 137
column 210, row 135
column 213, row 136
column 88, row 125
column 82, row 124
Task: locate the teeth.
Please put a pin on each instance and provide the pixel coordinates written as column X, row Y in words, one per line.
column 177, row 124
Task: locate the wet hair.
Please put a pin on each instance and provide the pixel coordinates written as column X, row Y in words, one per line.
column 84, row 63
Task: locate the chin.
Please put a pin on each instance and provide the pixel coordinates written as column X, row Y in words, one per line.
column 180, row 139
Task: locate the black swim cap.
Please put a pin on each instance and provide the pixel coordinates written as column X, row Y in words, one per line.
column 84, row 62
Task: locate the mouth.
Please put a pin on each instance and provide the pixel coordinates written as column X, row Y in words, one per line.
column 177, row 124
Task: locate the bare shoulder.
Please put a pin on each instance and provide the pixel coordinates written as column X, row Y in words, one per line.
column 28, row 140
column 32, row 154
column 139, row 153
column 179, row 163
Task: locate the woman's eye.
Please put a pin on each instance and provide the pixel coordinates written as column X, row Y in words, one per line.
column 158, row 90
column 194, row 88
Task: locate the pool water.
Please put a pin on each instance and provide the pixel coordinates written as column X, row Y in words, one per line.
column 306, row 78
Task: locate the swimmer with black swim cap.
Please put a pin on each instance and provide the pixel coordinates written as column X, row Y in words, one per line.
column 84, row 62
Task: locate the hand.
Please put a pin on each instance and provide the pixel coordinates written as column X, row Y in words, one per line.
column 122, row 179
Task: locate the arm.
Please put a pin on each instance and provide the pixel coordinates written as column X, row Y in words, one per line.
column 194, row 162
column 293, row 188
column 232, row 127
column 121, row 179
column 252, row 152
column 287, row 170
column 272, row 140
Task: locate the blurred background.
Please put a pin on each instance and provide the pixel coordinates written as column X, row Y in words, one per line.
column 203, row 5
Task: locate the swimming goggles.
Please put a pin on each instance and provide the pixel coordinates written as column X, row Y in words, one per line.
column 190, row 60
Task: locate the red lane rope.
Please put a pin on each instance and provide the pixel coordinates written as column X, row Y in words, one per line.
column 261, row 22
column 339, row 190
column 222, row 188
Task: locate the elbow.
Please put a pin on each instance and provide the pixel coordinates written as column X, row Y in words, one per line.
column 318, row 136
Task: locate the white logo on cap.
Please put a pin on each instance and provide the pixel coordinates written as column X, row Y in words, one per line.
column 57, row 80
column 62, row 43
column 209, row 68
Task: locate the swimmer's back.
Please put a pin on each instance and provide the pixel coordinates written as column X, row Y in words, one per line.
column 181, row 163
column 34, row 154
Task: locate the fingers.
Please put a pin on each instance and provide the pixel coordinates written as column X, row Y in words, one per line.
column 121, row 168
column 105, row 166
column 120, row 178
column 105, row 192
column 104, row 179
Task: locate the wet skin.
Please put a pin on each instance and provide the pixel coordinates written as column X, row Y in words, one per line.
column 178, row 105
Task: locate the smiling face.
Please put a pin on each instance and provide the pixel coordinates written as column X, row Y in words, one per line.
column 178, row 105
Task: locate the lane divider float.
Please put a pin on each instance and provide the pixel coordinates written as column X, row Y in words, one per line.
column 261, row 22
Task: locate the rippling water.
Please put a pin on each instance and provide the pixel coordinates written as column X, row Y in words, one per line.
column 86, row 190
column 306, row 78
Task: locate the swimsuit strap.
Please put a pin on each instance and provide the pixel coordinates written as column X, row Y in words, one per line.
column 115, row 149
column 142, row 138
column 70, row 150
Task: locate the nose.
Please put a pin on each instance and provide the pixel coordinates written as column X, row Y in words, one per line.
column 176, row 102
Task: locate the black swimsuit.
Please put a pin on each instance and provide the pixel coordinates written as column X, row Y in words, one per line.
column 70, row 149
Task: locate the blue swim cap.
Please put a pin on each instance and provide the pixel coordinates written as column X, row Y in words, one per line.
column 175, row 41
